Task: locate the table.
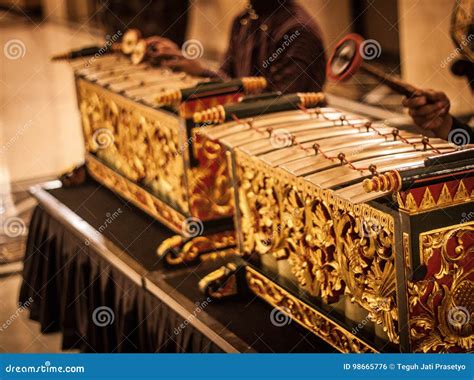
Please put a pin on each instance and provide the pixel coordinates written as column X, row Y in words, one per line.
column 91, row 272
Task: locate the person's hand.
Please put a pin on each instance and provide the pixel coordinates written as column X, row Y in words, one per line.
column 159, row 47
column 190, row 66
column 430, row 110
column 172, row 57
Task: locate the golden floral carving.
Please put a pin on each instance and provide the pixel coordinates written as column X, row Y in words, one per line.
column 445, row 196
column 428, row 201
column 441, row 306
column 407, row 254
column 367, row 268
column 262, row 223
column 305, row 315
column 143, row 143
column 461, row 193
column 320, row 241
column 209, row 183
column 334, row 247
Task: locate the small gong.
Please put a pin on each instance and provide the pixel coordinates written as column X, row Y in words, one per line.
column 346, row 58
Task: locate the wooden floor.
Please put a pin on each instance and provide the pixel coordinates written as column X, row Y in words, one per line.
column 40, row 137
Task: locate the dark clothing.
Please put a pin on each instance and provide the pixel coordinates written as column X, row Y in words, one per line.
column 284, row 45
column 465, row 135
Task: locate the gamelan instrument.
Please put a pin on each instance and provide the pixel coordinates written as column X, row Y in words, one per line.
column 138, row 134
column 360, row 232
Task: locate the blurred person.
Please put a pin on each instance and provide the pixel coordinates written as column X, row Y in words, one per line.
column 276, row 39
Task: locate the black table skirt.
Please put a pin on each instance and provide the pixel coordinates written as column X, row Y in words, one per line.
column 68, row 276
column 65, row 280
